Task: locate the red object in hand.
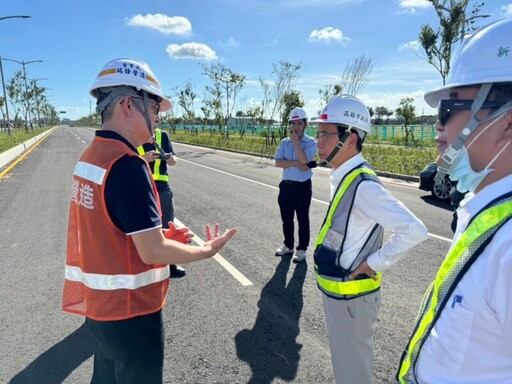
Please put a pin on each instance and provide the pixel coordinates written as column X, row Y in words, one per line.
column 179, row 235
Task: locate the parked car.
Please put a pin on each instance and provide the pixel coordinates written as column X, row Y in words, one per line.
column 440, row 191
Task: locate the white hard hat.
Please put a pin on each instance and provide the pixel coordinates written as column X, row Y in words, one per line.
column 347, row 110
column 483, row 57
column 132, row 73
column 297, row 114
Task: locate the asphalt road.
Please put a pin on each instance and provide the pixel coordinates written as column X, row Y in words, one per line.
column 244, row 317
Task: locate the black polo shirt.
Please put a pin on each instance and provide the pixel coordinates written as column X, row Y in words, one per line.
column 129, row 195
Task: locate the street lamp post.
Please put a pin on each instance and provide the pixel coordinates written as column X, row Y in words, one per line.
column 5, row 99
column 23, row 63
column 14, row 17
column 2, row 74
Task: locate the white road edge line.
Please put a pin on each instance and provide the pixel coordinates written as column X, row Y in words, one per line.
column 222, row 261
column 242, row 178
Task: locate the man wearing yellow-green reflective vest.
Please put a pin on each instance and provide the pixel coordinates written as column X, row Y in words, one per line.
column 159, row 154
column 349, row 250
column 463, row 333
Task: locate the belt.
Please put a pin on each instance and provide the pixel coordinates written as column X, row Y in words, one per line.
column 292, row 182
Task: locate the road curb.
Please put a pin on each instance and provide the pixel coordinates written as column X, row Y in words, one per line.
column 390, row 175
column 13, row 153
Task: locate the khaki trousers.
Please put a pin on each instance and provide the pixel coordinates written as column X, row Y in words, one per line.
column 350, row 331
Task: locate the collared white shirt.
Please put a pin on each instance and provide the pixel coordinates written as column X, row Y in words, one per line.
column 472, row 339
column 374, row 204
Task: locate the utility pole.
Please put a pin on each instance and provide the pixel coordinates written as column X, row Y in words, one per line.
column 2, row 75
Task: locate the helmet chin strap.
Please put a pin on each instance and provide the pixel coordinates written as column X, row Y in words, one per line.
column 336, row 149
column 145, row 111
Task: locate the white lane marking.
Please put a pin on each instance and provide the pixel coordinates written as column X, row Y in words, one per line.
column 273, row 187
column 78, row 137
column 222, row 261
column 243, row 178
column 440, row 237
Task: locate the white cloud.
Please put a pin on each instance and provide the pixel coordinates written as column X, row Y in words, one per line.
column 191, row 51
column 414, row 44
column 326, row 34
column 415, row 4
column 316, row 3
column 507, row 10
column 177, row 25
column 392, row 101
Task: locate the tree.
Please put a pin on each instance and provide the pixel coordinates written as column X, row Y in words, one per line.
column 407, row 111
column 453, row 25
column 186, row 98
column 17, row 95
column 37, row 95
column 2, row 103
column 328, row 92
column 283, row 75
column 380, row 113
column 226, row 85
column 356, row 74
column 255, row 111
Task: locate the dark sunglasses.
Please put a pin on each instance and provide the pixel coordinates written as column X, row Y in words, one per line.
column 446, row 108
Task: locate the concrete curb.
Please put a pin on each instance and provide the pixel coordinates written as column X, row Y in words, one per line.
column 414, row 179
column 11, row 154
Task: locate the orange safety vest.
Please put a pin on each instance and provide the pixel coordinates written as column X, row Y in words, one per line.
column 105, row 278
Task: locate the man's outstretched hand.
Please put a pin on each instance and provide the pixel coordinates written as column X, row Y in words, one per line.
column 181, row 235
column 216, row 241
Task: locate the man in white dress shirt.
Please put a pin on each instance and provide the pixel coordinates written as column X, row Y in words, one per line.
column 349, row 250
column 464, row 331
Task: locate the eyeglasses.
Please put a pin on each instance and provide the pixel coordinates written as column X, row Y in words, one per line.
column 152, row 103
column 324, row 135
column 446, row 108
column 296, row 123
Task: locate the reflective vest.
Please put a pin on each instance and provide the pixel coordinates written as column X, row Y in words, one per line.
column 158, row 169
column 461, row 256
column 105, row 278
column 331, row 277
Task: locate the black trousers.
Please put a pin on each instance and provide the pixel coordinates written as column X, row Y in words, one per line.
column 166, row 204
column 295, row 199
column 128, row 351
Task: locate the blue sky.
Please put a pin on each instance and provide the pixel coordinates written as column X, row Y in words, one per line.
column 75, row 38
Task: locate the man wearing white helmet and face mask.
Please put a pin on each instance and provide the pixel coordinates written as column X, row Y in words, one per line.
column 295, row 155
column 117, row 271
column 463, row 331
column 349, row 250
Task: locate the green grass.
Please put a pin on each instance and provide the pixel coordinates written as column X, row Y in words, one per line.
column 391, row 156
column 18, row 136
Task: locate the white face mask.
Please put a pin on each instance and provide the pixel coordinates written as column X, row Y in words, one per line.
column 461, row 170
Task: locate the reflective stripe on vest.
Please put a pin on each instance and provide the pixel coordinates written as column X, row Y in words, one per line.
column 331, row 278
column 111, row 282
column 466, row 250
column 157, row 163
